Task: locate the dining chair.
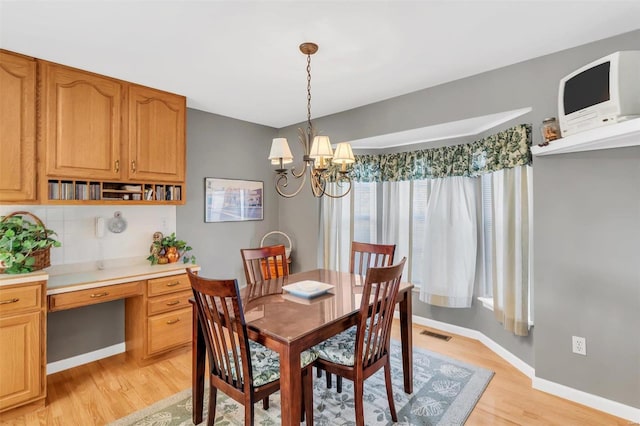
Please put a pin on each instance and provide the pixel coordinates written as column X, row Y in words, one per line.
column 264, row 263
column 363, row 256
column 360, row 351
column 241, row 368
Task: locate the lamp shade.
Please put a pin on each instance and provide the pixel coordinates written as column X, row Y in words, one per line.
column 343, row 154
column 280, row 151
column 321, row 148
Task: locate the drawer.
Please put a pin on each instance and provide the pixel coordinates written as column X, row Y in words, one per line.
column 164, row 285
column 169, row 330
column 20, row 299
column 74, row 299
column 170, row 302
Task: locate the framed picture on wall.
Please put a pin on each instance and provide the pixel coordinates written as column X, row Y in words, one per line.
column 231, row 200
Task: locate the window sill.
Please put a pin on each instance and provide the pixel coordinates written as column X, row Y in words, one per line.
column 487, row 302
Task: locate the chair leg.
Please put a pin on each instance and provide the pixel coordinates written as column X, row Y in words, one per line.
column 318, row 372
column 265, row 403
column 248, row 413
column 213, row 392
column 328, row 379
column 358, row 395
column 338, row 384
column 307, row 396
column 387, row 379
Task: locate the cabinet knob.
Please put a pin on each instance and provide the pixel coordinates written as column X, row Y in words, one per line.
column 6, row 302
column 173, row 284
column 170, row 322
column 95, row 295
column 173, row 303
column 133, row 166
column 117, row 166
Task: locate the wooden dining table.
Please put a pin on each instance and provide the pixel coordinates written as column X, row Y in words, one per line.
column 290, row 324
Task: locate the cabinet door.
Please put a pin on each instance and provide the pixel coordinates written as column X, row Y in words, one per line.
column 17, row 128
column 82, row 129
column 156, row 135
column 19, row 359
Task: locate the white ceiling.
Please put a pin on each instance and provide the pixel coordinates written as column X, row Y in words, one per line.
column 241, row 59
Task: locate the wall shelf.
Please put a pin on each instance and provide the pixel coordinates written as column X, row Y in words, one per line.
column 626, row 133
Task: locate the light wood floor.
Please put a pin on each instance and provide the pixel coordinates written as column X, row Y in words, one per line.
column 105, row 390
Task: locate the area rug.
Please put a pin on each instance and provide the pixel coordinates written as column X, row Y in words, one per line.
column 445, row 392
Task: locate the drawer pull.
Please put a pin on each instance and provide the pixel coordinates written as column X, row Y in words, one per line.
column 173, row 321
column 173, row 284
column 173, row 303
column 96, row 295
column 8, row 301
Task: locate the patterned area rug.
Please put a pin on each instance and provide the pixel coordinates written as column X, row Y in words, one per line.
column 445, row 393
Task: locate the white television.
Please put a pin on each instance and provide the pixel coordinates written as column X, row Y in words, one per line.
column 606, row 91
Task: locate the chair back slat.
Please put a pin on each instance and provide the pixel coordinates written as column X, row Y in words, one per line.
column 221, row 320
column 264, row 263
column 376, row 312
column 365, row 256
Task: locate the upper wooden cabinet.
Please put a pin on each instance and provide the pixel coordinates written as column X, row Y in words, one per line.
column 17, row 128
column 99, row 128
column 156, row 135
column 81, row 123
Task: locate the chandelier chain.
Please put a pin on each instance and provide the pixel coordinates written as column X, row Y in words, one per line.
column 309, row 94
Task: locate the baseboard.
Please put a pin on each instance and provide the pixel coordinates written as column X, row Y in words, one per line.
column 65, row 364
column 593, row 401
column 596, row 402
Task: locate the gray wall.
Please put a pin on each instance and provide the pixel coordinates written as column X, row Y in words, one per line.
column 587, row 269
column 533, row 84
column 223, row 147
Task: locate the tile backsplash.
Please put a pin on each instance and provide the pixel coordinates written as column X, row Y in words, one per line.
column 75, row 226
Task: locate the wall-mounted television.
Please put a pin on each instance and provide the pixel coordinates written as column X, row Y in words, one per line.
column 606, row 91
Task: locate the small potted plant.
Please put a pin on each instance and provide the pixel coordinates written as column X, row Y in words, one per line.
column 24, row 245
column 170, row 248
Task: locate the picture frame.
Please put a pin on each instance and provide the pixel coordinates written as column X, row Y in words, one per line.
column 233, row 200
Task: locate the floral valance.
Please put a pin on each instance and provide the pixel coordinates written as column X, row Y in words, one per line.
column 503, row 150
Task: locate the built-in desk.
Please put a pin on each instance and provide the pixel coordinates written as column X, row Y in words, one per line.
column 157, row 316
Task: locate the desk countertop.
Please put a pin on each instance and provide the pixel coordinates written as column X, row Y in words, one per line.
column 66, row 278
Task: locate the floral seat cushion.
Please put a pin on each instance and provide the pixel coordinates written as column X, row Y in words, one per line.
column 265, row 363
column 339, row 349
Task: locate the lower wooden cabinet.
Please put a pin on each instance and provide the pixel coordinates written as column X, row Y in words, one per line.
column 160, row 320
column 22, row 339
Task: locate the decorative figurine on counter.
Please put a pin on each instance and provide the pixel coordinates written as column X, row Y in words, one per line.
column 156, row 249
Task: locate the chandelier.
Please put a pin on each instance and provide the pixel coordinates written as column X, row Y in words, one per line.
column 318, row 155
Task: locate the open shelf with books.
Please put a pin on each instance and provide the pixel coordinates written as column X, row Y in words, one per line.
column 70, row 191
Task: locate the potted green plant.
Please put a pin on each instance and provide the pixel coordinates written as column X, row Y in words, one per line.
column 24, row 245
column 171, row 248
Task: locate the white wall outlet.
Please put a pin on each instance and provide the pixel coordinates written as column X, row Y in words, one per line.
column 579, row 345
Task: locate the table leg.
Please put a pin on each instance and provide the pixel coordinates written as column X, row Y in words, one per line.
column 198, row 352
column 406, row 338
column 290, row 387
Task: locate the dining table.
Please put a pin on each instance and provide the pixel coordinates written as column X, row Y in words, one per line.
column 282, row 315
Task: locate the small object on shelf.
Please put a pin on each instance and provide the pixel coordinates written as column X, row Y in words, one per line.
column 550, row 130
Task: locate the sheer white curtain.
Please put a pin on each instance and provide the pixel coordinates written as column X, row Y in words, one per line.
column 511, row 247
column 335, row 229
column 450, row 243
column 396, row 218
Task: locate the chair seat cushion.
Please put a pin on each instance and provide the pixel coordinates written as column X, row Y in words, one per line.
column 339, row 349
column 265, row 363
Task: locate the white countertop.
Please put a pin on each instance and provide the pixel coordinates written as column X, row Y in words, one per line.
column 66, row 278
